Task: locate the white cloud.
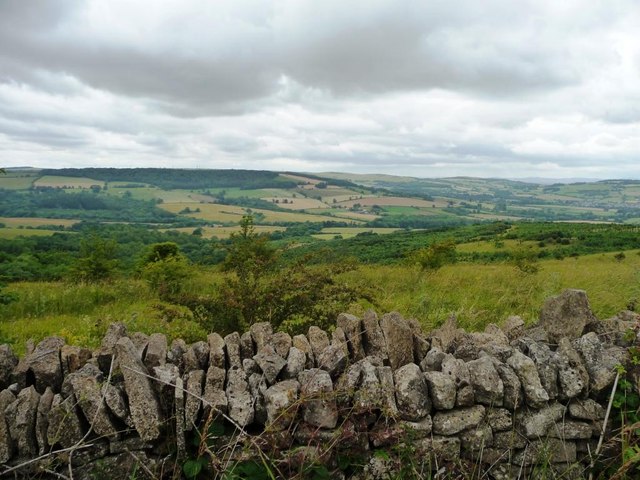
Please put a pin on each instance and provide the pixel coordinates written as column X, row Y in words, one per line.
column 496, row 88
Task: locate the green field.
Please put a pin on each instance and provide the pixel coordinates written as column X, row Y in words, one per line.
column 17, row 181
column 223, row 232
column 348, row 232
column 11, row 233
column 66, row 182
column 218, row 213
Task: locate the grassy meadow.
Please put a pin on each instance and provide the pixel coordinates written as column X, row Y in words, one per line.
column 476, row 293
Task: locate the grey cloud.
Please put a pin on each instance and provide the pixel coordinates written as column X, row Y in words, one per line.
column 390, row 46
column 396, row 85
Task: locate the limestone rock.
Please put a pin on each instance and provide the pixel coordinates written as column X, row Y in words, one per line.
column 318, row 339
column 247, row 349
column 318, row 400
column 500, row 419
column 232, row 344
column 513, row 396
column 6, row 443
column 181, row 445
column 143, row 404
column 571, row 430
column 600, row 363
column 572, row 374
column 216, row 351
column 73, row 358
column 239, row 397
column 420, row 429
column 387, row 391
column 281, row 342
column 156, row 351
column 333, row 359
column 475, row 440
column 106, row 351
column 193, row 381
column 347, row 384
column 64, row 427
column 412, row 392
column 115, row 399
column 442, row 389
column 458, row 371
column 537, row 424
column 399, row 339
column 455, row 421
column 525, row 368
column 270, row 363
column 352, row 327
column 513, row 327
column 432, row 362
column 258, row 387
column 368, row 396
column 214, row 397
column 250, row 366
column 8, row 361
column 586, row 409
column 88, row 392
column 338, row 338
column 21, row 416
column 447, row 335
column 421, row 346
column 301, row 343
column 566, row 315
column 45, row 364
column 509, row 439
column 166, row 377
column 296, row 362
column 141, row 342
column 436, row 449
column 546, row 365
column 176, row 353
column 373, row 337
column 261, row 334
column 197, row 357
column 280, row 402
column 487, row 384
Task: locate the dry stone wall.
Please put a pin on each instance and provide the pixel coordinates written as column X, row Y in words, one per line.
column 504, row 400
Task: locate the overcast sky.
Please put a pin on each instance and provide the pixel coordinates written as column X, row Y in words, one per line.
column 507, row 88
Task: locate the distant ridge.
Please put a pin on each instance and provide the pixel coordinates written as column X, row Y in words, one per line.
column 552, row 181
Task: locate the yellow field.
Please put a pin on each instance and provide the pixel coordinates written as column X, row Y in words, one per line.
column 224, row 232
column 297, row 203
column 300, row 178
column 215, row 212
column 13, row 181
column 66, row 182
column 390, row 201
column 36, row 222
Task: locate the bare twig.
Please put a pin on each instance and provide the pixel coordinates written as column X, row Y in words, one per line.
column 604, row 426
column 42, row 457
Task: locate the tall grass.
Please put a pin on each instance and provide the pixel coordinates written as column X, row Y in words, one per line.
column 82, row 313
column 477, row 294
column 480, row 294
